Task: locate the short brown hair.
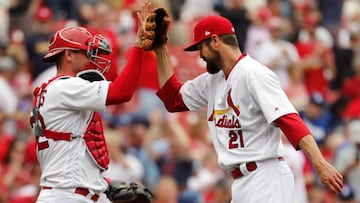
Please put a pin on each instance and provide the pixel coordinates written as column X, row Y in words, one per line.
column 230, row 39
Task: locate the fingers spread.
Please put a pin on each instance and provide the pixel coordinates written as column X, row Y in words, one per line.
column 150, row 26
column 151, row 17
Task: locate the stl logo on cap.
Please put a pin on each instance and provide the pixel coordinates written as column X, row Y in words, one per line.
column 208, row 26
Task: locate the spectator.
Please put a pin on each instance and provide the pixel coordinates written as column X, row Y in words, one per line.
column 137, row 146
column 317, row 117
column 295, row 89
column 180, row 34
column 276, row 53
column 311, row 28
column 351, row 85
column 4, row 23
column 200, row 145
column 236, row 12
column 166, row 190
column 64, row 9
column 8, row 103
column 347, row 158
column 257, row 31
column 177, row 163
column 351, row 92
column 331, row 15
column 37, row 42
column 123, row 166
column 206, row 176
column 193, row 10
column 317, row 59
column 221, row 191
column 21, row 15
column 17, row 176
column 347, row 195
column 189, row 197
column 5, row 139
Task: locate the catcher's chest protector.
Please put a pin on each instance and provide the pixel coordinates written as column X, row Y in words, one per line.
column 95, row 142
column 93, row 136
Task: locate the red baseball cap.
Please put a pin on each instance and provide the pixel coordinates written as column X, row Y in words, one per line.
column 208, row 26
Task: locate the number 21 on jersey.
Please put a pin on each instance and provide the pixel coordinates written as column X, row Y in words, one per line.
column 236, row 139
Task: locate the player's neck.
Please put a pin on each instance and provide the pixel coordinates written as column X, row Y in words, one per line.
column 230, row 58
column 61, row 71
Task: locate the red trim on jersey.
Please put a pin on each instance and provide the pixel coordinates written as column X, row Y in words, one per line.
column 123, row 87
column 241, row 57
column 170, row 95
column 293, row 128
column 108, row 180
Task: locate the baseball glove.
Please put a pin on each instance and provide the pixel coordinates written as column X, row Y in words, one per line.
column 149, row 33
column 162, row 22
column 135, row 192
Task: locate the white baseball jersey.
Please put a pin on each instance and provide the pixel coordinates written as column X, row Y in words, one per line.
column 240, row 111
column 68, row 104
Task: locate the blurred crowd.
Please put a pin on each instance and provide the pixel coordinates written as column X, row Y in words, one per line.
column 312, row 45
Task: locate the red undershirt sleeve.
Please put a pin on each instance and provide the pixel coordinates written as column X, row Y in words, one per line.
column 170, row 95
column 293, row 128
column 123, row 87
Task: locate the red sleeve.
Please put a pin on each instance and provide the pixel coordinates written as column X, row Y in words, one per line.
column 123, row 87
column 170, row 95
column 293, row 128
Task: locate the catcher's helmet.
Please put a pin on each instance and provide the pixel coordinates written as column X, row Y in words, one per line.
column 80, row 38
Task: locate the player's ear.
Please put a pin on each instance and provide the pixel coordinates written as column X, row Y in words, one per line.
column 67, row 55
column 215, row 41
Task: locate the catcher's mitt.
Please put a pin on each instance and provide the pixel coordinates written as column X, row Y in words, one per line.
column 162, row 22
column 120, row 192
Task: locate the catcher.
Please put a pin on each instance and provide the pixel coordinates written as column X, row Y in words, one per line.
column 70, row 139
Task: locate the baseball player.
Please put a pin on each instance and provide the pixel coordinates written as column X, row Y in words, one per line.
column 246, row 112
column 71, row 145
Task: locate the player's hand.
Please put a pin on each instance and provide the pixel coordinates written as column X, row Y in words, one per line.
column 330, row 177
column 146, row 26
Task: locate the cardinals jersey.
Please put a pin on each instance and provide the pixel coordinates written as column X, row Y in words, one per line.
column 241, row 109
column 67, row 105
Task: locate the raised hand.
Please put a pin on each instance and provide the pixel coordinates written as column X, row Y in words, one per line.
column 146, row 27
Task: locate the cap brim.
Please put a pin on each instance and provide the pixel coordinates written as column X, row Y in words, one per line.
column 50, row 57
column 193, row 47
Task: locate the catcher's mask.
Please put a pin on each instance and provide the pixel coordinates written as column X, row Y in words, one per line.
column 80, row 38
